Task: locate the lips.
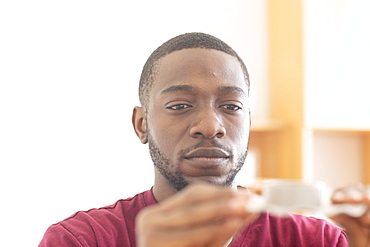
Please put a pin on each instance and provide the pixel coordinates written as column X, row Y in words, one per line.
column 207, row 156
column 208, row 152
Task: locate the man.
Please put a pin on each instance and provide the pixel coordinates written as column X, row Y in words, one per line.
column 195, row 117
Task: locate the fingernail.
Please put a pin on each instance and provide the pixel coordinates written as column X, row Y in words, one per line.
column 339, row 196
column 355, row 195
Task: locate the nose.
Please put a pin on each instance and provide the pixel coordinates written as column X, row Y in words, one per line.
column 207, row 124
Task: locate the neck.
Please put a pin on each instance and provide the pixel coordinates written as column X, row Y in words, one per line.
column 162, row 189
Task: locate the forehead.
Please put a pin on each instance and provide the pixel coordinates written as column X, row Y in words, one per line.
column 206, row 67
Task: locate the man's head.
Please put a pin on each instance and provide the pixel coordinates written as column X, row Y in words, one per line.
column 195, row 114
column 184, row 41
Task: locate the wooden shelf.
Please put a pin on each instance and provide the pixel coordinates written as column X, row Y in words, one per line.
column 364, row 134
column 269, row 139
column 279, row 143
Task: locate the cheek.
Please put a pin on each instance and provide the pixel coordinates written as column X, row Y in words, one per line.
column 239, row 128
column 241, row 139
column 167, row 135
column 239, row 133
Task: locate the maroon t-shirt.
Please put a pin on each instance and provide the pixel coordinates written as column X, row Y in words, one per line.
column 114, row 226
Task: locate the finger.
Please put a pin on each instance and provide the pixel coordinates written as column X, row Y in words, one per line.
column 199, row 192
column 348, row 222
column 204, row 212
column 355, row 231
column 365, row 220
column 353, row 194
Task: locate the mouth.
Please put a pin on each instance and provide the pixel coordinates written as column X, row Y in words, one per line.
column 207, row 157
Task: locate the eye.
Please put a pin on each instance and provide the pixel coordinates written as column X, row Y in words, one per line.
column 231, row 107
column 178, row 107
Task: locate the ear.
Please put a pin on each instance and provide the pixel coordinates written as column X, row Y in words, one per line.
column 139, row 123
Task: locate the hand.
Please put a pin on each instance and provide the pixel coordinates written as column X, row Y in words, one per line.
column 358, row 229
column 199, row 216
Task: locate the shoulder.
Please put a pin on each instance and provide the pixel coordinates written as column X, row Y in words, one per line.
column 115, row 212
column 100, row 224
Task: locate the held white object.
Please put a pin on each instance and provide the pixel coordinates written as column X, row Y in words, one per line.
column 282, row 197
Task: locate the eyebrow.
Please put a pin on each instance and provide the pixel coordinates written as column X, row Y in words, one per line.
column 188, row 88
column 232, row 89
column 178, row 88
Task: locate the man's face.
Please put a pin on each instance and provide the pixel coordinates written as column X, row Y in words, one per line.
column 198, row 119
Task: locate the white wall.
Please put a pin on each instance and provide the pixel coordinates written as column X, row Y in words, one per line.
column 68, row 83
column 337, row 83
column 337, row 63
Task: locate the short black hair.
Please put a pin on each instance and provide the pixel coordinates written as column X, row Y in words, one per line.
column 183, row 41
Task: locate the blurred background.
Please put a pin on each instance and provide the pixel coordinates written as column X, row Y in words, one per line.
column 69, row 73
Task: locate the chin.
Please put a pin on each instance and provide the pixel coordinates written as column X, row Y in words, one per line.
column 219, row 181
